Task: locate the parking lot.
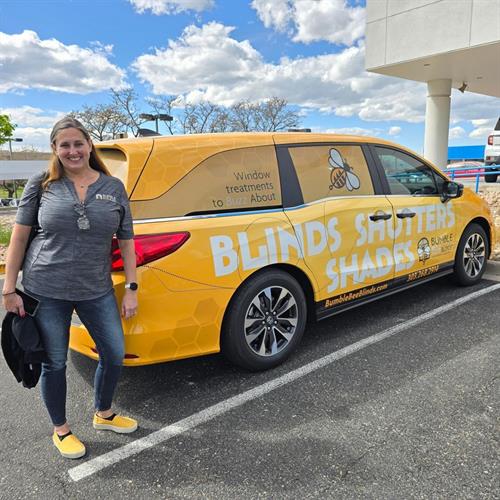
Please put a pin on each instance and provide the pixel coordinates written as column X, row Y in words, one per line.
column 397, row 399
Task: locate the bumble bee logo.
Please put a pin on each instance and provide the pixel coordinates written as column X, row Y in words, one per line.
column 423, row 249
column 341, row 174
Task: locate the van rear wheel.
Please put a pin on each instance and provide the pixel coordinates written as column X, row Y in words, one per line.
column 265, row 321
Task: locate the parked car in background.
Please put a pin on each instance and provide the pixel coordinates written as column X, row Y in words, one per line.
column 471, row 168
column 9, row 202
column 492, row 153
column 241, row 238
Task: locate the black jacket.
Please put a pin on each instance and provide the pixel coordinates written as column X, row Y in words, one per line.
column 22, row 348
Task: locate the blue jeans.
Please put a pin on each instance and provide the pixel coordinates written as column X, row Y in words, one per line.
column 101, row 317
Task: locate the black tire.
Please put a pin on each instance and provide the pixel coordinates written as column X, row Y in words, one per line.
column 472, row 255
column 273, row 305
column 490, row 177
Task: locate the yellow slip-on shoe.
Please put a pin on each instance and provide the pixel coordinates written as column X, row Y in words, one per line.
column 115, row 423
column 69, row 446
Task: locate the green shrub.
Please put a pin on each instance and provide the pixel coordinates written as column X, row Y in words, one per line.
column 5, row 233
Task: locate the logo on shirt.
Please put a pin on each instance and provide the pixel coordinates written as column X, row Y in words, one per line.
column 108, row 197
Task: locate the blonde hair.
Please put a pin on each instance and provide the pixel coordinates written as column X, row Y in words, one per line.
column 55, row 170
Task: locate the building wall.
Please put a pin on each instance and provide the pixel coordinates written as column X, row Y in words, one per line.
column 403, row 30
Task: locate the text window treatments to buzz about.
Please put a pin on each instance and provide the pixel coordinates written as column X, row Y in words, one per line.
column 331, row 170
column 408, row 175
column 237, row 179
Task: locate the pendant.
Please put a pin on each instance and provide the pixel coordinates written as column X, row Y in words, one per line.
column 83, row 223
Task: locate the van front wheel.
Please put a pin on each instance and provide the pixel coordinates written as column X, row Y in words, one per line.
column 265, row 321
column 472, row 255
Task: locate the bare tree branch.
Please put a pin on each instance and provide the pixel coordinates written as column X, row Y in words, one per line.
column 242, row 116
column 103, row 121
column 203, row 118
column 273, row 115
column 126, row 101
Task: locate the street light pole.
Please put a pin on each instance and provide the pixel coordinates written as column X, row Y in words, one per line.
column 160, row 116
column 13, row 139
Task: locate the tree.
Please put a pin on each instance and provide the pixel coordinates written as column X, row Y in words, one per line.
column 125, row 102
column 243, row 115
column 123, row 114
column 103, row 121
column 13, row 187
column 204, row 117
column 6, row 129
column 163, row 105
column 272, row 115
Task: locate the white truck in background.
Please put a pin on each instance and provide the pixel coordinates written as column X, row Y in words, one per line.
column 492, row 154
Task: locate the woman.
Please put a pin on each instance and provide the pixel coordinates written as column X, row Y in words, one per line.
column 78, row 206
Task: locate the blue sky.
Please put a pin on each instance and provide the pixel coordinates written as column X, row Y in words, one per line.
column 58, row 55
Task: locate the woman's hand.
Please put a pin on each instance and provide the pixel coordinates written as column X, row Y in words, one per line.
column 129, row 304
column 14, row 303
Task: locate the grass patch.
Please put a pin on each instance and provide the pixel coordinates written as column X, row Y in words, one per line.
column 5, row 234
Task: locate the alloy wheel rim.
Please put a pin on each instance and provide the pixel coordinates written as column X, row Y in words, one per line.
column 474, row 255
column 271, row 321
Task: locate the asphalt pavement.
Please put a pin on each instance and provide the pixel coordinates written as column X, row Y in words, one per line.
column 405, row 404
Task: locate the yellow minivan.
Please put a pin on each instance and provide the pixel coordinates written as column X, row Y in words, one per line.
column 240, row 238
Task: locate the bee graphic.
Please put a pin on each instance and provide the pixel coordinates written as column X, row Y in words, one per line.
column 342, row 174
column 423, row 249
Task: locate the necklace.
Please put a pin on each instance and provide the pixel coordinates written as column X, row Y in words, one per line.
column 83, row 184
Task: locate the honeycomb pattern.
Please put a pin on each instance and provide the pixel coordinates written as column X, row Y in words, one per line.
column 196, row 334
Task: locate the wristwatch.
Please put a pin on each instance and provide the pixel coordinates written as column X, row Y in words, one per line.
column 132, row 286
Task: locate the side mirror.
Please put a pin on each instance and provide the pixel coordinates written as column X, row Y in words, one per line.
column 451, row 190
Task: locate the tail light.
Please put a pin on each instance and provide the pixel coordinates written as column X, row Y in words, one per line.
column 149, row 247
column 490, row 140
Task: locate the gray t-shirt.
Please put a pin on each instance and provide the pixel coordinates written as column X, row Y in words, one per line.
column 63, row 261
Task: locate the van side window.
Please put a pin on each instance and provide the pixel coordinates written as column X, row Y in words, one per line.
column 406, row 174
column 331, row 170
column 238, row 179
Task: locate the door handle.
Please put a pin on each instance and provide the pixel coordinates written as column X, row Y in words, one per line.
column 405, row 214
column 380, row 215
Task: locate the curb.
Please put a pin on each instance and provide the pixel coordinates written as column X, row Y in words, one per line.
column 493, row 267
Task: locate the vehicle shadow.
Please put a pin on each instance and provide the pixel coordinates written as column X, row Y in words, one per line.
column 171, row 391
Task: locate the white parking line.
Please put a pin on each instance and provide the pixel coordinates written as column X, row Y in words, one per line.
column 96, row 464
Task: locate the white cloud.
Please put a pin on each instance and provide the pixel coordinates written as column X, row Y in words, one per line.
column 275, row 14
column 33, row 137
column 395, row 100
column 207, row 64
column 456, row 133
column 33, row 125
column 204, row 58
column 374, row 132
column 483, row 122
column 394, row 131
column 312, row 20
column 159, row 7
column 28, row 116
column 481, row 132
column 27, row 62
column 478, row 109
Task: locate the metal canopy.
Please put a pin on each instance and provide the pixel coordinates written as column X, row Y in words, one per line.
column 478, row 67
